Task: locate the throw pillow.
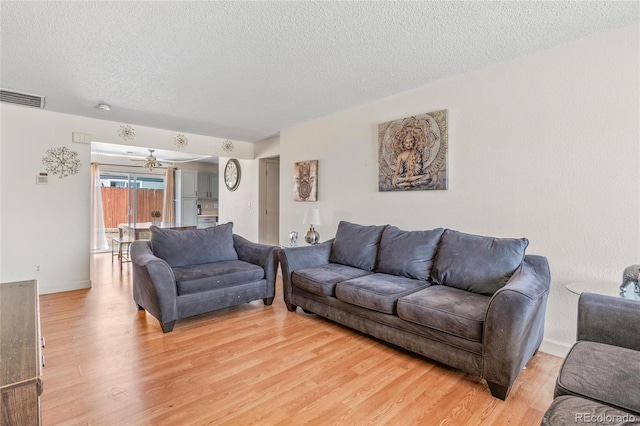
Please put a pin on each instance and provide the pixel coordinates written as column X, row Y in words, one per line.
column 408, row 253
column 356, row 245
column 194, row 246
column 476, row 263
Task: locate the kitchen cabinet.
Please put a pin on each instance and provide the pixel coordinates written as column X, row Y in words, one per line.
column 207, row 185
column 186, row 187
column 207, row 221
column 186, row 183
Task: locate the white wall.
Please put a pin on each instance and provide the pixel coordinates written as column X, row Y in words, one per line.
column 241, row 206
column 544, row 147
column 48, row 225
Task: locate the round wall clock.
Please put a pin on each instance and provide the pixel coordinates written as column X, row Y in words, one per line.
column 232, row 174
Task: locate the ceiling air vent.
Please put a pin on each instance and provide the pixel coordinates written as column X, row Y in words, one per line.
column 18, row 98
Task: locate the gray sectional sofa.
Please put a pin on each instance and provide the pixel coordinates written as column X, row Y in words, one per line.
column 181, row 273
column 472, row 302
column 599, row 381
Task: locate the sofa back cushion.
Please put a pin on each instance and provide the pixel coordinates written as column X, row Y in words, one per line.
column 356, row 245
column 476, row 263
column 193, row 246
column 408, row 253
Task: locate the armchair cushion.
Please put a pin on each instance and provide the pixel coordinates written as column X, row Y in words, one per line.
column 356, row 245
column 601, row 372
column 194, row 246
column 568, row 410
column 408, row 253
column 476, row 263
column 227, row 273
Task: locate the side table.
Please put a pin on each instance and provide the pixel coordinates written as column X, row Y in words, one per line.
column 602, row 287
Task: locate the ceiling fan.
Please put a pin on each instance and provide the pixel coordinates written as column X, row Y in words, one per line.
column 150, row 162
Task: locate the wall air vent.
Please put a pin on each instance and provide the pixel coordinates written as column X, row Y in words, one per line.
column 19, row 98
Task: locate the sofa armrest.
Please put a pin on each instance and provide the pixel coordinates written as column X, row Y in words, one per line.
column 514, row 324
column 154, row 285
column 263, row 255
column 610, row 320
column 294, row 258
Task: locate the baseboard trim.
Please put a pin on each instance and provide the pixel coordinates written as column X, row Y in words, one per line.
column 554, row 347
column 68, row 286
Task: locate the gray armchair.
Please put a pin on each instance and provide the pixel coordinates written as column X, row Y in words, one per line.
column 179, row 274
column 600, row 377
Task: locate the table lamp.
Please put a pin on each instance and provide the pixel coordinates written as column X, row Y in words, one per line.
column 312, row 217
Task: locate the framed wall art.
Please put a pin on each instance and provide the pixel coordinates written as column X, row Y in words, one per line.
column 305, row 175
column 412, row 153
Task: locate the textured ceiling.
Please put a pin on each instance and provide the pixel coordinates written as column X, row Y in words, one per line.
column 246, row 70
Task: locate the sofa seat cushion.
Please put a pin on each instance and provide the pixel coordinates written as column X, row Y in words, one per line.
column 601, row 372
column 322, row 280
column 407, row 253
column 379, row 292
column 447, row 309
column 477, row 263
column 198, row 278
column 356, row 245
column 569, row 410
column 193, row 246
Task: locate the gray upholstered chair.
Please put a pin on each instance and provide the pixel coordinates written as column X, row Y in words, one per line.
column 600, row 377
column 181, row 273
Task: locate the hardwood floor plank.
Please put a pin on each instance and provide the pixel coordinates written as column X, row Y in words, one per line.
column 110, row 364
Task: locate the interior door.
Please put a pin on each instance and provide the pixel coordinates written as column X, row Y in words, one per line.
column 270, row 223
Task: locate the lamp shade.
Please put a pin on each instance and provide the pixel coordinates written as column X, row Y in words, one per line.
column 312, row 217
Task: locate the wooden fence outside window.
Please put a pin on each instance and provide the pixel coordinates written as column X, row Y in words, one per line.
column 114, row 205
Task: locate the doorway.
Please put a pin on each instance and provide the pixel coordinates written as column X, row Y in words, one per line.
column 269, row 201
column 129, row 198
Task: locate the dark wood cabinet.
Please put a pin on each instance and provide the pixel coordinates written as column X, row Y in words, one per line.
column 20, row 354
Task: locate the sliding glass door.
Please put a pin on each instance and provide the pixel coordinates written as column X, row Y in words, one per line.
column 129, row 198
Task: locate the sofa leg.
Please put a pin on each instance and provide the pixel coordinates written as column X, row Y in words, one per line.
column 291, row 307
column 499, row 391
column 268, row 301
column 167, row 327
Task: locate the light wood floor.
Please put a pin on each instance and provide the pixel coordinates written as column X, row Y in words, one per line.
column 107, row 364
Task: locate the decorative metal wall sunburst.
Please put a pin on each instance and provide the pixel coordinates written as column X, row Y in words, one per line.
column 181, row 140
column 61, row 161
column 126, row 132
column 227, row 146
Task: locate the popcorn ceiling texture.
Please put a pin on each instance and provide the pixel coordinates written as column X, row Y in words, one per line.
column 246, row 70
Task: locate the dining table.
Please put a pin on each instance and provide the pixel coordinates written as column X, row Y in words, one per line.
column 141, row 231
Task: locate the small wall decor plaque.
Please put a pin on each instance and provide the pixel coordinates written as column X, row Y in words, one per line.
column 412, row 153
column 61, row 161
column 181, row 141
column 227, row 146
column 305, row 187
column 126, row 132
